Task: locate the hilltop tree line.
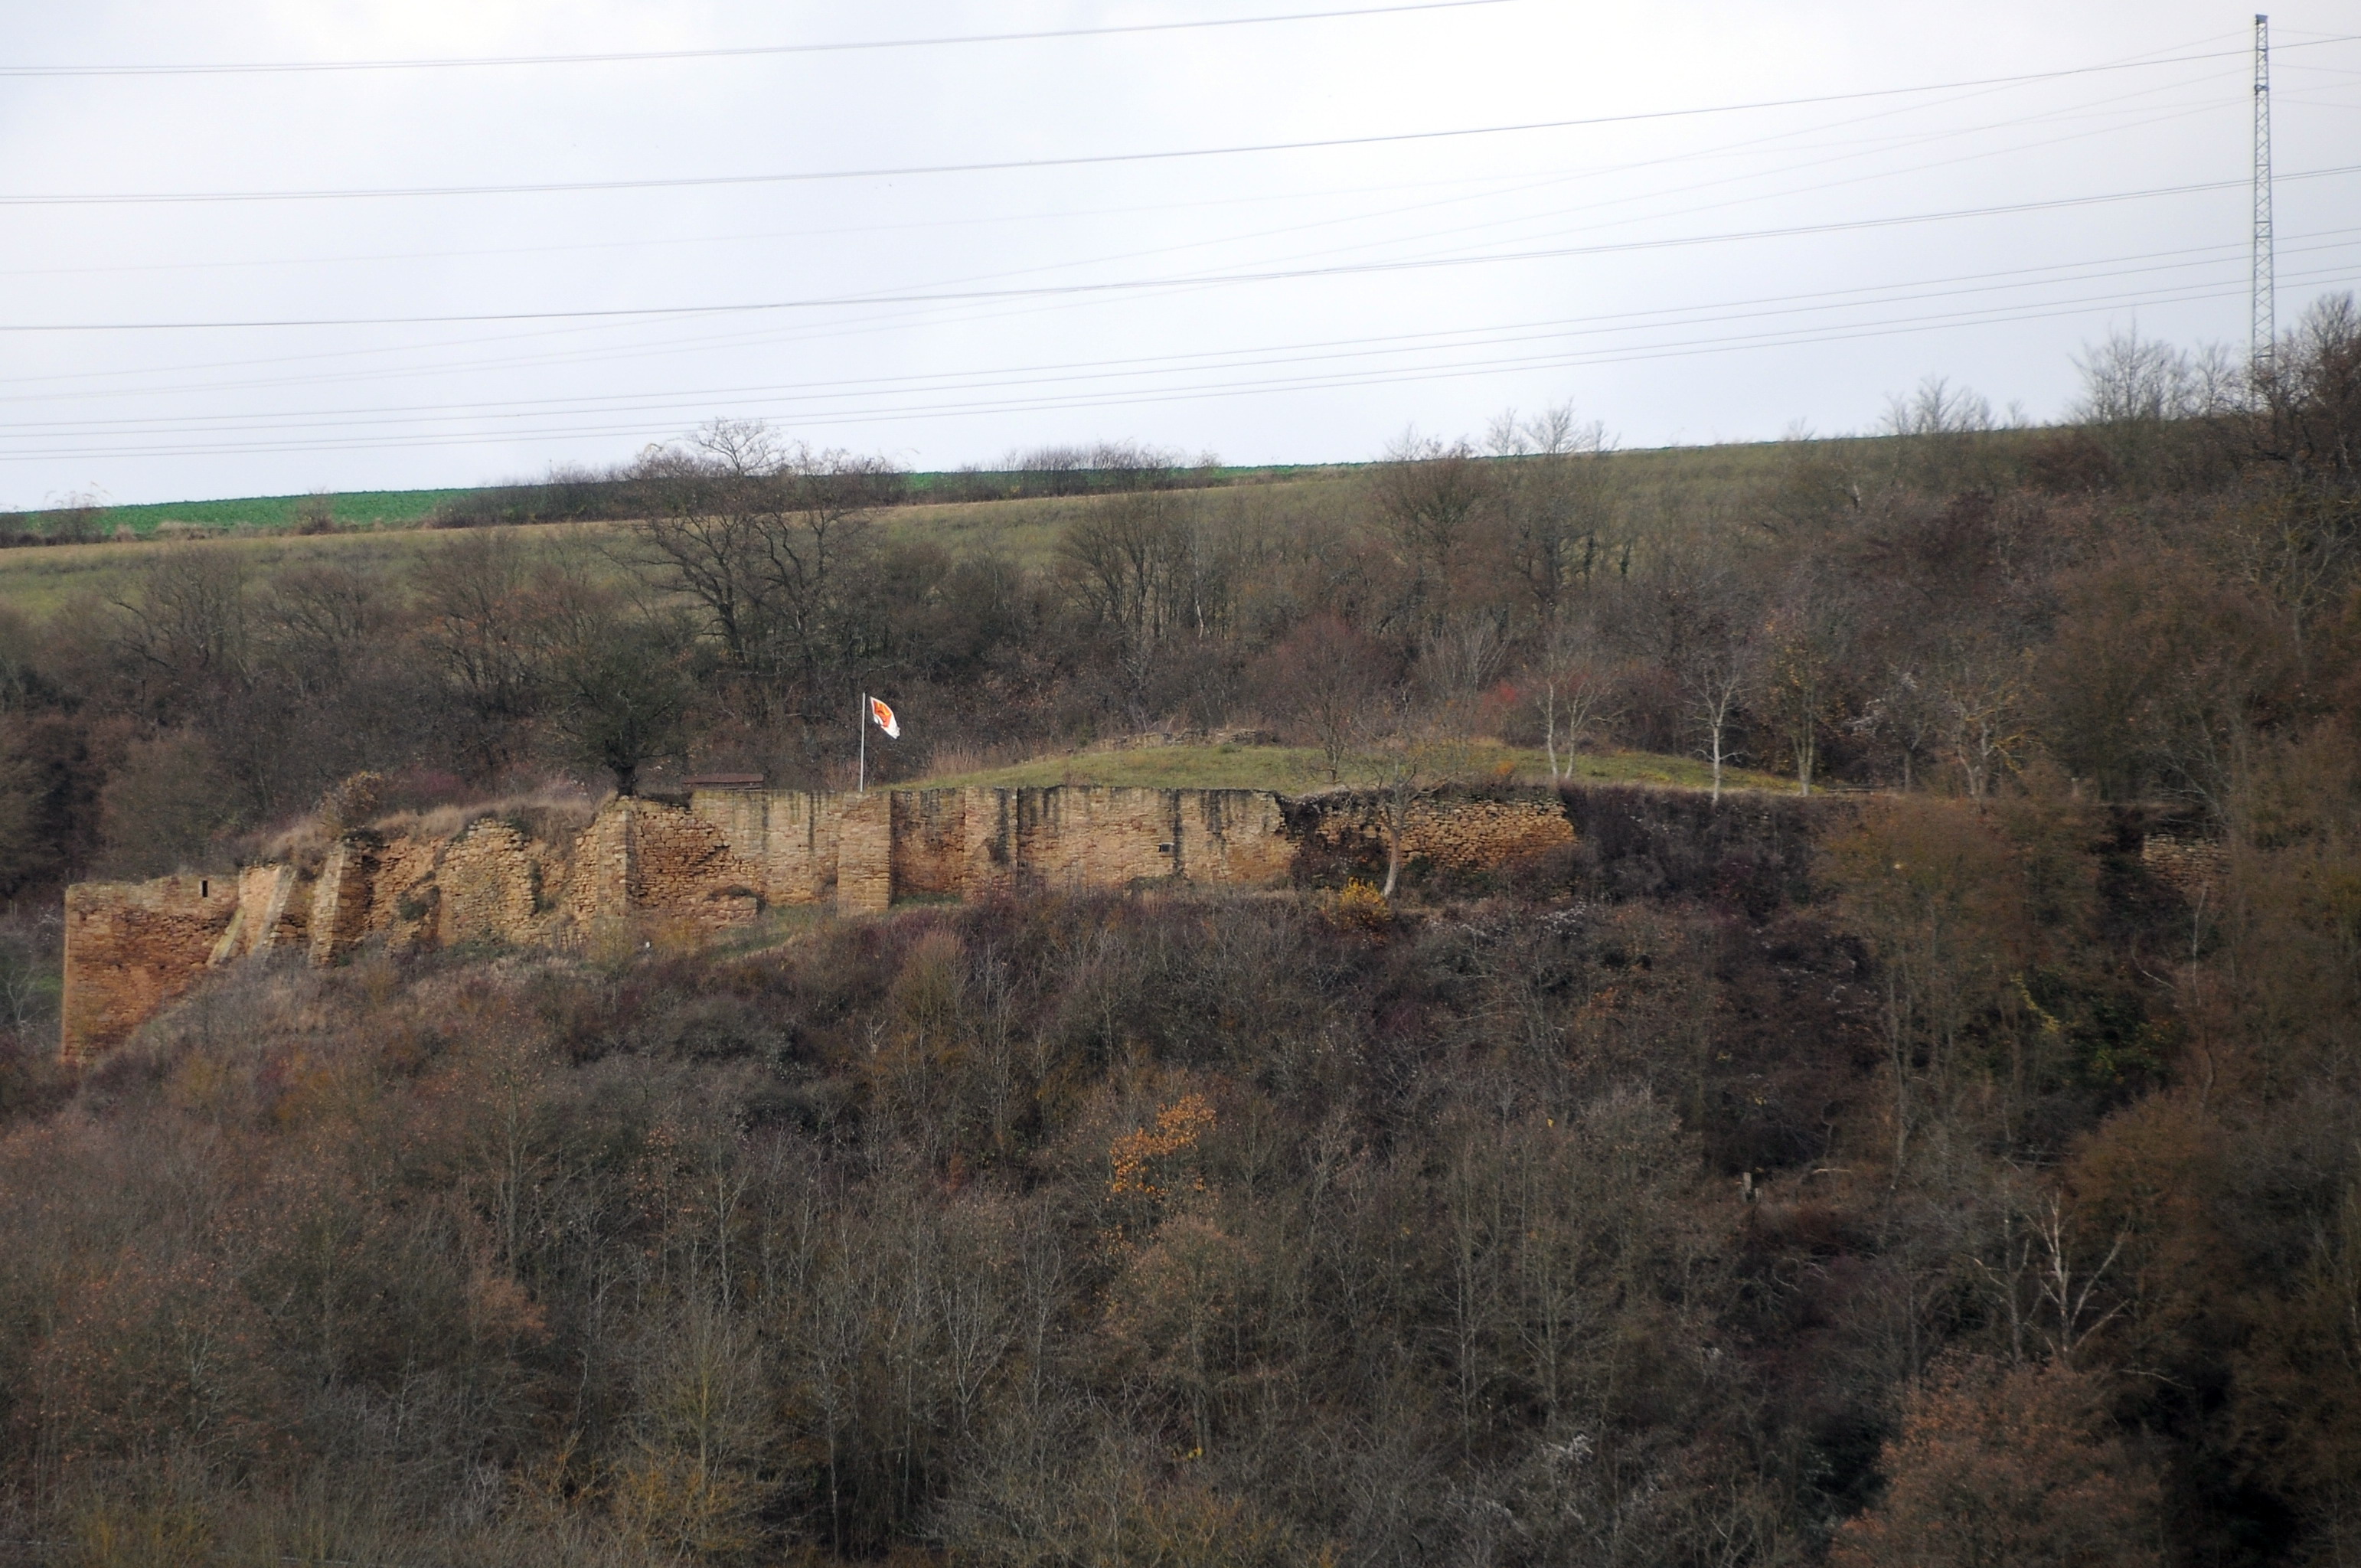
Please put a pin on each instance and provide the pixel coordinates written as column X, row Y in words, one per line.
column 2131, row 598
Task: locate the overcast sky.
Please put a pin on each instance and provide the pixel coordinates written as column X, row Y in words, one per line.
column 1685, row 265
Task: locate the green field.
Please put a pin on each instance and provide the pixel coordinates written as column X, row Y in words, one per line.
column 409, row 509
column 353, row 509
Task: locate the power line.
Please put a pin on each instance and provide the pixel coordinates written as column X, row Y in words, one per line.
column 152, row 198
column 1880, row 296
column 1679, row 349
column 743, row 52
column 1208, row 280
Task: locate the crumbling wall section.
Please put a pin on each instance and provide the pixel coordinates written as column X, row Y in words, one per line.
column 269, row 915
column 405, row 903
column 489, row 884
column 790, row 835
column 132, row 947
column 682, row 868
column 1070, row 837
column 1459, row 832
column 1236, row 836
column 340, row 898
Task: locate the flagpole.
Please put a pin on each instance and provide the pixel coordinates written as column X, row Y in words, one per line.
column 860, row 785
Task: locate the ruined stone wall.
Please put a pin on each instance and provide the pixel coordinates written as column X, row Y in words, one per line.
column 491, row 889
column 683, row 869
column 1459, row 832
column 270, row 916
column 646, row 857
column 404, row 899
column 340, row 897
column 716, row 862
column 132, row 947
column 1100, row 837
column 2190, row 867
column 790, row 834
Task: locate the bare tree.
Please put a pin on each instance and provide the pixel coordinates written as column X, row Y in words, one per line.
column 1802, row 646
column 483, row 633
column 1325, row 678
column 1399, row 765
column 771, row 541
column 1430, row 496
column 1457, row 662
column 1942, row 435
column 619, row 686
column 1138, row 566
column 1981, row 694
column 1713, row 676
column 1576, row 687
column 186, row 627
column 1558, row 499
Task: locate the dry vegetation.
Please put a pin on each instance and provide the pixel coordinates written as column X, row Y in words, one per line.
column 1955, row 1169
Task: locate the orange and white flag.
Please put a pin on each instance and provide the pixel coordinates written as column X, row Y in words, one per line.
column 884, row 718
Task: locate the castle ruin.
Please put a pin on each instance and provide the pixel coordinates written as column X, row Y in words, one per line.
column 715, row 861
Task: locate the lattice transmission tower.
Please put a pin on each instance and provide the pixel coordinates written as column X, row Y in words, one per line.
column 2264, row 330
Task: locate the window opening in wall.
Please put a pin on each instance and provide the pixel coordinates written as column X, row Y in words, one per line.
column 205, row 888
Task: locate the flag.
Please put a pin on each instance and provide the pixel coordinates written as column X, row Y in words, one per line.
column 884, row 718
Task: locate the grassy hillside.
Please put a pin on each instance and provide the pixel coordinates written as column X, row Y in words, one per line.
column 381, row 528
column 38, row 580
column 1296, row 770
column 411, row 508
column 1688, row 469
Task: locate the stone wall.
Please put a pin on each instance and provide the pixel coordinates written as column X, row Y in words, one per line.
column 269, row 916
column 340, row 897
column 493, row 889
column 792, row 834
column 865, row 853
column 1082, row 835
column 1460, row 833
column 132, row 947
column 683, row 869
column 715, row 861
column 929, row 843
column 2192, row 867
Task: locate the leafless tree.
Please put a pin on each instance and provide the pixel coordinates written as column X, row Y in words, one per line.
column 1576, row 687
column 771, row 541
column 1557, row 498
column 1139, row 567
column 1326, row 678
column 1430, row 494
column 1980, row 691
column 484, row 635
column 186, row 626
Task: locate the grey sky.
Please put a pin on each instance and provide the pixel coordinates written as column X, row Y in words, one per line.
column 1406, row 282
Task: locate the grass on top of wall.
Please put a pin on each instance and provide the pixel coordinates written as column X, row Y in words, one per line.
column 1300, row 770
